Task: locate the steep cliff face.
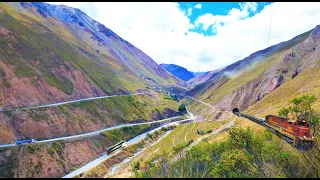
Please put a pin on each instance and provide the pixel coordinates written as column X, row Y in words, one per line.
column 246, row 82
column 58, row 53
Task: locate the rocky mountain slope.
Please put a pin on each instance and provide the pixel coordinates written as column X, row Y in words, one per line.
column 57, row 158
column 50, row 54
column 82, row 117
column 267, row 86
column 259, row 85
column 246, row 82
column 178, row 71
column 58, row 53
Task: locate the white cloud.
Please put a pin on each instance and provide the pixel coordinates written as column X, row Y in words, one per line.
column 252, row 6
column 237, row 34
column 198, row 6
column 189, row 12
column 234, row 15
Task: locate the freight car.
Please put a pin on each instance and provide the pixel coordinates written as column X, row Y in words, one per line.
column 297, row 133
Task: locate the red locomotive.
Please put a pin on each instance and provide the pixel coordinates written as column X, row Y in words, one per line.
column 297, row 133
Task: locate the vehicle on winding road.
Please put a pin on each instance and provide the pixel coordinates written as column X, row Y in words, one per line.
column 119, row 145
column 27, row 141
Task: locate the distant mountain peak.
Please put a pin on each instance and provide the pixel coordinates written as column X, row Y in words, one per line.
column 178, row 71
column 316, row 32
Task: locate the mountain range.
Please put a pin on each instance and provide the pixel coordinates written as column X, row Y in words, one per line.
column 51, row 53
column 58, row 53
column 191, row 78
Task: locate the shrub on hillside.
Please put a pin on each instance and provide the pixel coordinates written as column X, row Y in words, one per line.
column 182, row 108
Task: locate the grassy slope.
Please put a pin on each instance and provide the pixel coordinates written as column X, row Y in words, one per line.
column 240, row 80
column 177, row 137
column 305, row 83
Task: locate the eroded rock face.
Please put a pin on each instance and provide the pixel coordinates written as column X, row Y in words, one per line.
column 7, row 134
column 31, row 91
column 79, row 152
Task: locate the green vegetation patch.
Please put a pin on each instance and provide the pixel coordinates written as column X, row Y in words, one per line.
column 58, row 147
column 8, row 113
column 181, row 146
column 126, row 133
column 60, row 82
column 242, row 155
column 50, row 151
column 170, row 97
column 6, row 168
column 31, row 148
column 182, row 108
column 23, row 70
column 203, row 132
column 39, row 115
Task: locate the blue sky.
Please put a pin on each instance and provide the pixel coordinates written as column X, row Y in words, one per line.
column 216, row 8
column 211, row 37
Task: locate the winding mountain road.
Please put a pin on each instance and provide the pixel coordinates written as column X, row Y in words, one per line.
column 85, row 134
column 177, row 157
column 191, row 117
column 230, row 124
column 202, row 102
column 99, row 160
column 68, row 102
column 104, row 157
column 185, row 137
column 136, row 139
column 95, row 133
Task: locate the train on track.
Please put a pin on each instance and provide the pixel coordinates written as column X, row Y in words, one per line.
column 119, row 145
column 297, row 133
